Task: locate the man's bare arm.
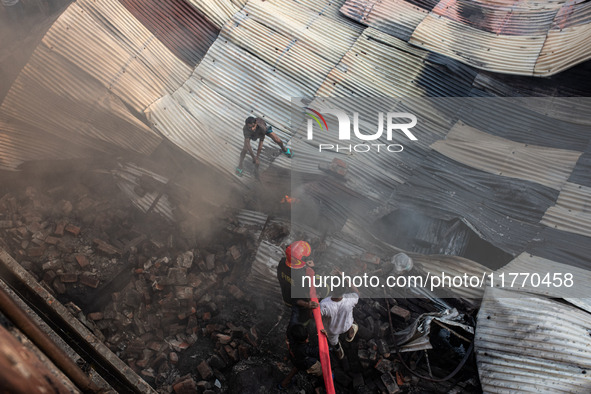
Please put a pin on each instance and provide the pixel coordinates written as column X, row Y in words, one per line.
column 249, row 148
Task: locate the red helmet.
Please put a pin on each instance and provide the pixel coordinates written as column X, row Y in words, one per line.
column 295, row 252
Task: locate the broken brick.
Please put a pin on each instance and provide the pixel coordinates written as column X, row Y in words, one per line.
column 95, row 316
column 69, row 278
column 183, row 292
column 232, row 353
column 384, row 365
column 49, row 276
column 89, row 280
column 82, row 260
column 243, row 352
column 390, row 383
column 105, row 247
column 205, row 370
column 74, row 230
column 236, row 292
column 52, row 240
column 36, row 251
column 370, row 259
column 187, row 386
column 235, row 252
column 59, row 228
column 400, row 312
column 59, row 287
column 6, row 224
column 173, row 357
column 224, row 339
column 210, row 262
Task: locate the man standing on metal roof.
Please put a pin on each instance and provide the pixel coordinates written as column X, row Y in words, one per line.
column 256, row 129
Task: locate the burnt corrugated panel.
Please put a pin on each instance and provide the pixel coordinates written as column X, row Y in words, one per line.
column 581, row 175
column 481, row 49
column 184, row 30
column 521, row 338
column 503, row 157
column 21, row 142
column 523, row 121
column 398, row 18
column 379, row 65
column 516, row 20
column 572, row 211
column 561, row 246
column 503, row 211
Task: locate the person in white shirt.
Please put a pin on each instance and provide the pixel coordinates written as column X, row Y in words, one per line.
column 337, row 317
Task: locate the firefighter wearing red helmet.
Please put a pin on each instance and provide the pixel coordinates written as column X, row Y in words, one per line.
column 290, row 271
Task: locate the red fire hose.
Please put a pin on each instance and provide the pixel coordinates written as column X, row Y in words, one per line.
column 322, row 343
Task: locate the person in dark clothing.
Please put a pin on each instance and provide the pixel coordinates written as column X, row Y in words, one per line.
column 257, row 129
column 303, row 355
column 290, row 271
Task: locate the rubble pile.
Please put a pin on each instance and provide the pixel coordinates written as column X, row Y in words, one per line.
column 134, row 281
column 178, row 310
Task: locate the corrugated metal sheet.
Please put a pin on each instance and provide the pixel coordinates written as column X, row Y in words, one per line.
column 53, row 95
column 262, row 279
column 526, row 263
column 581, row 175
column 379, row 65
column 184, row 30
column 128, row 178
column 217, row 11
column 301, row 43
column 453, row 266
column 564, row 47
column 549, row 167
column 206, row 115
column 108, row 43
column 519, row 38
column 572, row 211
column 514, row 20
column 95, row 63
column 220, row 151
column 529, row 120
column 561, row 246
column 532, row 344
column 503, row 211
column 20, row 143
column 397, row 18
column 575, row 110
column 477, row 48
